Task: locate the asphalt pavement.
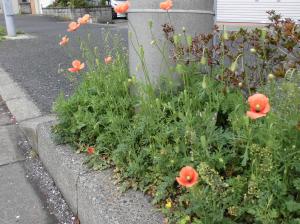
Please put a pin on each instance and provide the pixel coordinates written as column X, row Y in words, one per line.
column 38, row 64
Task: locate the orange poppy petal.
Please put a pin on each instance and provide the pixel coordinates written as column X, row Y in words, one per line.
column 72, row 70
column 186, row 171
column 266, row 109
column 180, row 181
column 254, row 115
column 122, row 8
column 259, row 99
column 166, row 5
column 76, row 63
column 82, row 66
column 184, row 182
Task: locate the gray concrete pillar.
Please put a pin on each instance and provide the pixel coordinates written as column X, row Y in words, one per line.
column 197, row 16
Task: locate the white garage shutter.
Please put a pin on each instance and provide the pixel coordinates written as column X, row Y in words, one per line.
column 254, row 11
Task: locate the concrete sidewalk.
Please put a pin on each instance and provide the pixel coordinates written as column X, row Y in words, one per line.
column 19, row 202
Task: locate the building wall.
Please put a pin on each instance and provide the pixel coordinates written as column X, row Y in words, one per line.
column 255, row 10
column 45, row 3
column 15, row 4
column 16, row 7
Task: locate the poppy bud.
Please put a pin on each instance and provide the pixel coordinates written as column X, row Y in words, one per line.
column 97, row 62
column 183, row 29
column 129, row 81
column 271, row 76
column 233, row 66
column 189, row 40
column 204, row 83
column 203, row 60
column 225, row 35
column 253, row 50
column 176, row 39
column 263, row 34
column 133, row 78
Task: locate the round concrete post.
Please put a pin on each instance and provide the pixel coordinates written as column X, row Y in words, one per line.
column 9, row 18
column 197, row 16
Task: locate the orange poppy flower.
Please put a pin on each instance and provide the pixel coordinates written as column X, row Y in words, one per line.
column 108, row 59
column 84, row 20
column 122, row 8
column 259, row 106
column 73, row 26
column 166, row 5
column 91, row 150
column 188, row 176
column 64, row 41
column 77, row 66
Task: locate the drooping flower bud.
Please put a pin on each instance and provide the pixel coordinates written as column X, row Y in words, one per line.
column 233, row 66
column 271, row 76
column 203, row 60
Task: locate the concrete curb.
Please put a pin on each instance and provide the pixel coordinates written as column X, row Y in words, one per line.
column 16, row 99
column 90, row 194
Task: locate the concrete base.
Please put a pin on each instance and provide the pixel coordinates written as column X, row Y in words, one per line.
column 20, row 37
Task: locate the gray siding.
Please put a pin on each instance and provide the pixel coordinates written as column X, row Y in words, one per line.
column 255, row 10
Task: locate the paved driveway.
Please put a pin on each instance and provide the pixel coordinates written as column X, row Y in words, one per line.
column 35, row 63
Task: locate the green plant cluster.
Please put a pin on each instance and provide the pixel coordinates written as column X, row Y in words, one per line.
column 249, row 170
column 2, row 32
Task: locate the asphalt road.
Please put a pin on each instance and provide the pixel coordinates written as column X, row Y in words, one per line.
column 36, row 63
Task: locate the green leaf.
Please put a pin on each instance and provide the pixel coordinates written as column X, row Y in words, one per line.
column 292, row 206
column 296, row 183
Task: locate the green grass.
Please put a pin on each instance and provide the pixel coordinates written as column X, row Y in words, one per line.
column 2, row 32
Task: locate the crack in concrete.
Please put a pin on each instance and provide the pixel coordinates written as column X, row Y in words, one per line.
column 11, row 163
